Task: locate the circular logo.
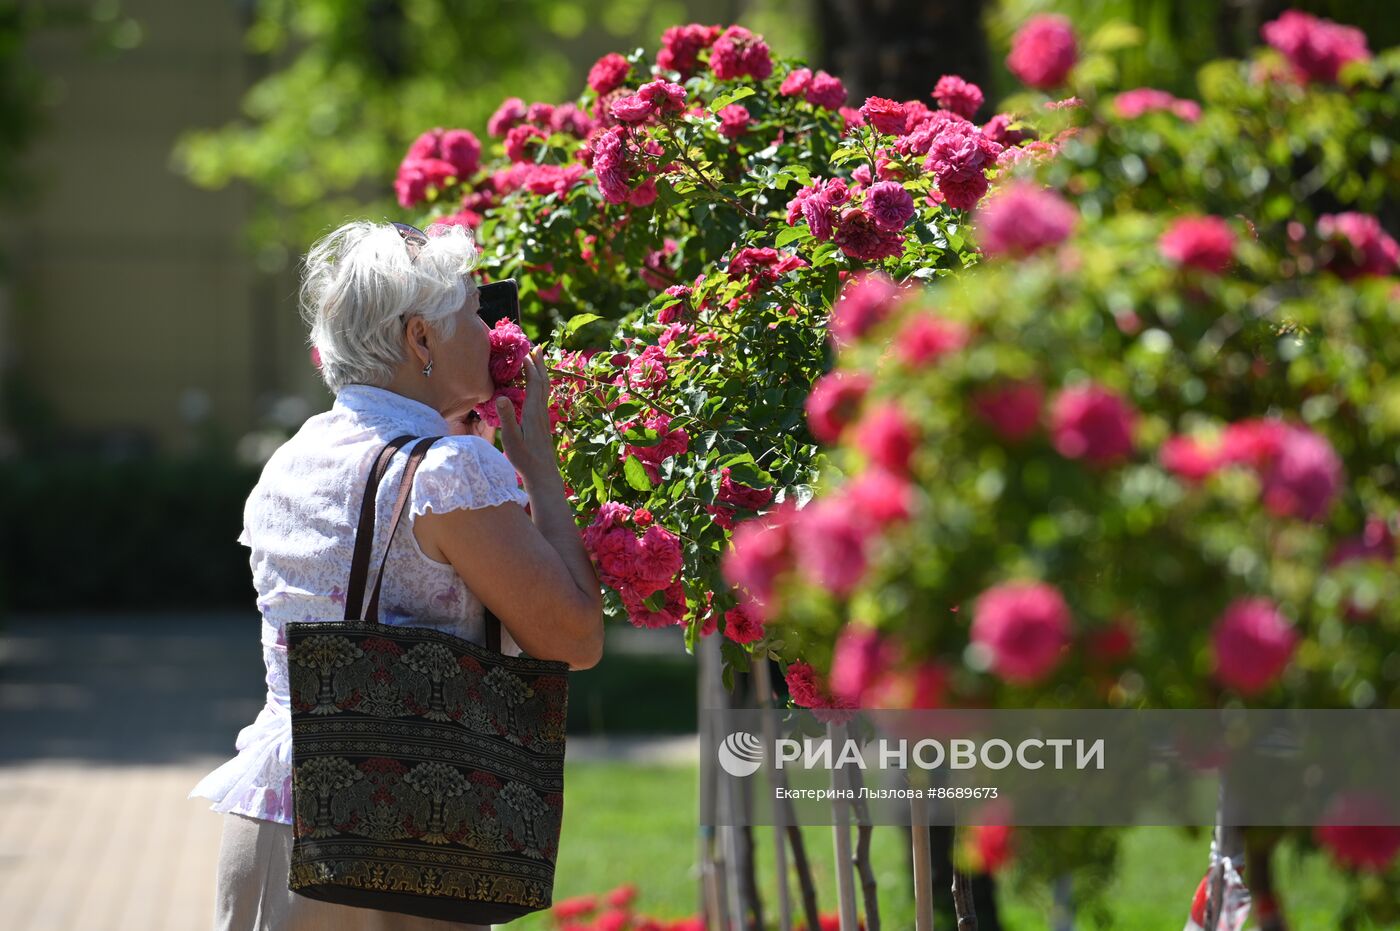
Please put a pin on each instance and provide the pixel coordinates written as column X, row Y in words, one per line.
column 740, row 754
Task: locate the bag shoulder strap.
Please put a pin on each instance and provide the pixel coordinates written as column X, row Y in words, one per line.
column 364, row 532
column 415, row 459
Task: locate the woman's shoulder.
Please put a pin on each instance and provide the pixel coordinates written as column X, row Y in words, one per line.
column 465, row 471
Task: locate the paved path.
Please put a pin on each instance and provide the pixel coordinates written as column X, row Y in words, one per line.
column 106, row 723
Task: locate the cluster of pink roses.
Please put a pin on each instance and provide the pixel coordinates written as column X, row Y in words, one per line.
column 509, row 349
column 1206, row 243
column 870, row 230
column 1043, row 51
column 820, row 89
column 1129, row 105
column 434, row 159
column 639, row 559
column 1300, row 473
column 1316, row 48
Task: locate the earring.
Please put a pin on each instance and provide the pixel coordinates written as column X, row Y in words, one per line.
column 428, row 369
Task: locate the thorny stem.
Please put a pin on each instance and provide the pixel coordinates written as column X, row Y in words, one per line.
column 607, row 384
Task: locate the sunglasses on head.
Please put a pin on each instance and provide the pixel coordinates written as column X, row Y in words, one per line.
column 496, row 300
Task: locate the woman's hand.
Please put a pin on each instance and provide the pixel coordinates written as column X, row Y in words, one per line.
column 529, row 444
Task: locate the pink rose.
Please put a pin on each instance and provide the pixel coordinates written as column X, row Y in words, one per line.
column 608, row 73
column 865, row 300
column 1360, row 246
column 882, row 498
column 1201, row 242
column 733, row 121
column 959, row 156
column 741, row 626
column 761, row 551
column 1317, row 48
column 1132, row 104
column 888, row 437
column 681, row 47
column 1304, row 478
column 1252, row 643
column 887, row 116
column 1189, row 458
column 520, row 142
column 1022, row 219
column 611, row 166
column 957, row 95
column 659, row 559
column 1092, row 423
column 998, row 129
column 796, row 83
column 671, row 614
column 890, row 205
column 739, row 53
column 833, row 403
column 860, row 659
column 926, row 338
column 487, row 409
column 1355, row 832
column 1043, row 51
column 633, row 108
column 509, row 114
column 1025, row 627
column 825, row 91
column 732, row 495
column 1012, row 410
column 509, row 349
column 831, row 545
column 860, row 237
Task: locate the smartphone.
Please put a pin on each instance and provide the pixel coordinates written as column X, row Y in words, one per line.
column 499, row 299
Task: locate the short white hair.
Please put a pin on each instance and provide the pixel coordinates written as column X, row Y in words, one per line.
column 358, row 280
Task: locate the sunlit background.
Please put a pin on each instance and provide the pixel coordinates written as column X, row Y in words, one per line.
column 163, row 163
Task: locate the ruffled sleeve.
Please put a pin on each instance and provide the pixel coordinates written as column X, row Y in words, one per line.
column 464, row 472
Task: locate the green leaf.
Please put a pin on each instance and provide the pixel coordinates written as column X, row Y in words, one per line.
column 788, row 235
column 636, row 475
column 724, row 100
column 579, row 320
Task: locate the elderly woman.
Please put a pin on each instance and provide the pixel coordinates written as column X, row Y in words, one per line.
column 394, row 318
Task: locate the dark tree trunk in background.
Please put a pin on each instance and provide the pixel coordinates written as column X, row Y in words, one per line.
column 900, row 48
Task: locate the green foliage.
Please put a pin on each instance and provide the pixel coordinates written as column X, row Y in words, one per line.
column 356, row 81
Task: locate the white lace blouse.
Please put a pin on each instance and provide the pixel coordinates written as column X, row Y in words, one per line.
column 299, row 522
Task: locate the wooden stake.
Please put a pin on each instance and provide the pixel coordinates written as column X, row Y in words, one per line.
column 923, row 864
column 841, row 829
column 763, row 695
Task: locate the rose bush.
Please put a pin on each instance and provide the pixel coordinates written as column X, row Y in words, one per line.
column 1092, row 403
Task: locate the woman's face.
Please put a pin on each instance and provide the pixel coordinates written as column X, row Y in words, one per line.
column 461, row 376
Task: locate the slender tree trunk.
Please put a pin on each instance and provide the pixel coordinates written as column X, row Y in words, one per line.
column 963, row 905
column 765, row 700
column 804, row 875
column 1259, row 859
column 900, row 48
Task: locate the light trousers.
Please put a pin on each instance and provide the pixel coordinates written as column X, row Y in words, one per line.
column 251, row 891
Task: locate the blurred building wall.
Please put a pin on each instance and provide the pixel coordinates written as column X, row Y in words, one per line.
column 136, row 309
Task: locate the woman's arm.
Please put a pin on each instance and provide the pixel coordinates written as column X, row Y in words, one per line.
column 532, row 570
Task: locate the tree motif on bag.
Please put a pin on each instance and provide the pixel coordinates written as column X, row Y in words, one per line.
column 317, row 778
column 322, row 655
column 438, row 782
column 437, row 663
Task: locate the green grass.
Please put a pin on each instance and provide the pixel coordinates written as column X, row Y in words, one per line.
column 626, row 823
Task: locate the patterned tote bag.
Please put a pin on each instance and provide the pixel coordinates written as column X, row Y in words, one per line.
column 427, row 770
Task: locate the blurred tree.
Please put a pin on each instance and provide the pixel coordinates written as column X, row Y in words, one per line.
column 345, row 85
column 1179, row 36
